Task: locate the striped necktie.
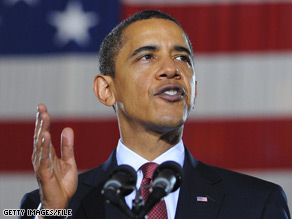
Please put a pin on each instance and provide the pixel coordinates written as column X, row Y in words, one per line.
column 159, row 210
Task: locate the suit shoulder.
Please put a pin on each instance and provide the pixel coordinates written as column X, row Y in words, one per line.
column 98, row 173
column 90, row 173
column 30, row 200
column 258, row 196
column 235, row 179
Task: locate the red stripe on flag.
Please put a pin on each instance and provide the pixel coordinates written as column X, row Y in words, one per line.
column 230, row 144
column 241, row 144
column 231, row 27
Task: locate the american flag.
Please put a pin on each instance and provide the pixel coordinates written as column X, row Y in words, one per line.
column 202, row 199
column 243, row 52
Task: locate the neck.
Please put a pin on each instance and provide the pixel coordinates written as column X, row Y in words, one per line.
column 149, row 141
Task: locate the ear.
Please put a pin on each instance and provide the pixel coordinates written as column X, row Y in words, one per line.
column 102, row 87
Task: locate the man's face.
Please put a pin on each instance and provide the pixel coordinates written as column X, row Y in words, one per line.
column 155, row 80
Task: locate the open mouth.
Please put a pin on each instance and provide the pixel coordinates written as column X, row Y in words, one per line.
column 171, row 92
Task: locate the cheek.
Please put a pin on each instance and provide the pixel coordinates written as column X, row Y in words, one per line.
column 142, row 83
column 191, row 89
column 134, row 93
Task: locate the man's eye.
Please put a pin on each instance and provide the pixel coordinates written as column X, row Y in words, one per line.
column 184, row 59
column 146, row 57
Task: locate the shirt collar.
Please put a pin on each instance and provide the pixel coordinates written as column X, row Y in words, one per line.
column 129, row 157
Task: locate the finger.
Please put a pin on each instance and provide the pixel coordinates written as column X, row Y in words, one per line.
column 45, row 122
column 67, row 145
column 45, row 159
column 39, row 125
column 43, row 126
column 45, row 155
column 40, row 109
column 36, row 158
column 35, row 137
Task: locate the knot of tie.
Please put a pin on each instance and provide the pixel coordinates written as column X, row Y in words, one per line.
column 148, row 169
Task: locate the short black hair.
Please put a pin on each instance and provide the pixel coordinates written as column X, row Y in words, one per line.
column 113, row 42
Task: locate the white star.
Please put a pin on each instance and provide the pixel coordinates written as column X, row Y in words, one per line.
column 28, row 2
column 72, row 24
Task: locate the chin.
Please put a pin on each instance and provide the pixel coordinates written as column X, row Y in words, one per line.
column 171, row 122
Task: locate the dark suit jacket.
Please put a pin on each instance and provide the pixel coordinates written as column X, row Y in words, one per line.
column 230, row 195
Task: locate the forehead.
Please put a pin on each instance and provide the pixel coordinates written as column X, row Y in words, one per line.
column 154, row 30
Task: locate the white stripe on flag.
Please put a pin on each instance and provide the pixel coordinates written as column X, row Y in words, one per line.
column 242, row 85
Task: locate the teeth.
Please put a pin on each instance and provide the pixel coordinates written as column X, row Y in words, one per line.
column 170, row 92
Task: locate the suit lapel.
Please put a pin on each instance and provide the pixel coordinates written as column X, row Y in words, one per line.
column 199, row 181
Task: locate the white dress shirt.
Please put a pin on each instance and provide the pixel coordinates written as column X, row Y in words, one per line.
column 129, row 157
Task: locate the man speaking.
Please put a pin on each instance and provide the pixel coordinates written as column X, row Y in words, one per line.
column 148, row 77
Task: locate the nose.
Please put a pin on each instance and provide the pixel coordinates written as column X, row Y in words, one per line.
column 168, row 70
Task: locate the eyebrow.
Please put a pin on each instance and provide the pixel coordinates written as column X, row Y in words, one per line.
column 182, row 49
column 152, row 48
column 144, row 48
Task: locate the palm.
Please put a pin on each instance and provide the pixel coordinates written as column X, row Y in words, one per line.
column 57, row 177
column 61, row 181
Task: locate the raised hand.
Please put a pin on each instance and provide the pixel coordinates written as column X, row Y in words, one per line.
column 57, row 177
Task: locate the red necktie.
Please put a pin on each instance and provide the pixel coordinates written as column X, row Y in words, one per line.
column 159, row 210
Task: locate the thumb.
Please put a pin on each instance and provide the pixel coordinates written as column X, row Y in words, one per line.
column 67, row 144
